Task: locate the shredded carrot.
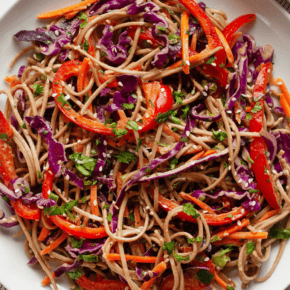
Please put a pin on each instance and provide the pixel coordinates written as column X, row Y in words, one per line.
column 169, row 132
column 79, row 131
column 228, row 242
column 184, row 40
column 60, row 12
column 13, row 80
column 268, row 215
column 285, row 105
column 137, row 259
column 160, row 268
column 248, row 109
column 94, row 201
column 46, row 280
column 43, row 234
column 54, row 244
column 220, row 281
column 209, row 152
column 248, row 235
column 196, row 157
column 235, row 39
column 83, row 74
column 226, row 46
column 194, row 58
column 194, row 41
column 238, row 113
column 197, row 201
column 70, row 15
column 233, row 229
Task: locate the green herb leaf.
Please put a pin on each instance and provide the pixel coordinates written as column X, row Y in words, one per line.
column 131, row 217
column 282, row 234
column 109, row 217
column 75, row 274
column 249, row 116
column 39, row 56
column 253, row 190
column 178, row 97
column 173, row 38
column 140, row 142
column 88, row 258
column 86, row 45
column 85, row 18
column 129, row 106
column 189, row 209
column 194, row 240
column 211, row 60
column 132, row 125
column 84, row 164
column 38, row 89
column 250, row 159
column 161, row 144
column 168, row 246
column 220, row 258
column 180, row 258
column 250, row 248
column 4, row 137
column 204, row 276
column 120, row 132
column 53, row 196
column 162, row 117
column 256, row 108
column 230, row 287
column 161, row 28
column 219, row 135
column 126, row 157
column 61, row 99
column 77, row 244
column 173, row 162
column 185, row 111
column 106, row 206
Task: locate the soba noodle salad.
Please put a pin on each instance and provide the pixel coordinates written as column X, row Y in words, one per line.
column 143, row 147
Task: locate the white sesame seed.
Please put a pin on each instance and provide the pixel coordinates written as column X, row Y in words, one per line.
column 187, row 133
column 95, row 115
column 234, row 99
column 140, row 127
column 227, row 86
column 95, row 203
column 246, row 184
column 229, row 167
column 72, row 226
column 105, row 142
column 239, row 223
column 54, row 95
column 63, row 83
column 120, row 84
column 17, row 190
column 149, row 41
column 56, row 33
column 187, row 62
column 151, row 213
column 108, row 21
column 226, row 234
column 166, row 260
column 206, row 259
column 101, row 168
column 268, row 71
column 204, row 93
column 67, row 177
column 162, row 90
column 229, row 111
column 79, row 141
column 213, row 64
column 104, row 155
column 279, row 83
column 67, row 97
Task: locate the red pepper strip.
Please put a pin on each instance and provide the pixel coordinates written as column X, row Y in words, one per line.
column 91, row 49
column 258, row 147
column 231, row 29
column 191, row 282
column 146, row 39
column 85, row 67
column 88, row 284
column 211, row 219
column 67, row 70
column 208, row 28
column 7, row 171
column 159, row 100
column 70, row 228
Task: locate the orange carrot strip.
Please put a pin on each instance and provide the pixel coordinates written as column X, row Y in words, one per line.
column 83, row 74
column 184, row 40
column 226, row 241
column 13, row 80
column 194, row 41
column 197, row 201
column 46, row 280
column 236, row 37
column 209, row 152
column 285, row 105
column 194, row 58
column 43, row 234
column 160, row 268
column 220, row 281
column 285, row 97
column 60, row 12
column 137, row 259
column 268, row 215
column 70, row 15
column 54, row 244
column 226, row 46
column 248, row 235
column 197, row 156
column 248, row 109
column 233, row 229
column 94, row 201
column 169, row 132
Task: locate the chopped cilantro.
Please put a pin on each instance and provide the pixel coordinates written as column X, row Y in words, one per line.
column 109, row 217
column 74, row 274
column 162, row 117
column 38, row 89
column 282, row 234
column 85, row 18
column 173, row 38
column 249, row 116
column 194, row 240
column 132, row 125
column 88, row 258
column 128, row 106
column 219, row 135
column 173, row 162
column 84, row 164
column 204, row 276
column 220, row 258
column 126, row 157
column 131, row 217
column 53, row 196
column 178, row 97
column 86, row 45
column 189, row 209
column 250, row 159
column 106, row 206
column 61, row 99
column 256, row 108
column 77, row 244
column 168, row 246
column 120, row 132
column 211, row 60
column 185, row 111
column 250, row 248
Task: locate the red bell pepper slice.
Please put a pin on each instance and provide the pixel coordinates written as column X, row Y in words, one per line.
column 208, row 28
column 159, row 100
column 231, row 29
column 146, row 39
column 211, row 219
column 191, row 282
column 70, row 228
column 67, row 70
column 88, row 284
column 258, row 147
column 7, row 171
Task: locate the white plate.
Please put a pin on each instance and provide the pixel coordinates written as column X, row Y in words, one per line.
column 272, row 26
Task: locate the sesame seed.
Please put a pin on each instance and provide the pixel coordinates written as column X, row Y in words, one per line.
column 54, row 95
column 166, row 260
column 120, row 84
column 187, row 133
column 56, row 33
column 101, row 168
column 151, row 213
column 229, row 167
column 204, row 93
column 67, row 177
column 227, row 86
column 213, row 64
column 104, row 155
column 95, row 203
column 229, row 111
column 63, row 83
column 234, row 99
column 206, row 88
column 162, row 90
column 17, row 190
column 239, row 223
column 79, row 141
column 206, row 259
column 140, row 127
column 268, row 71
column 279, row 83
column 105, row 142
column 187, row 62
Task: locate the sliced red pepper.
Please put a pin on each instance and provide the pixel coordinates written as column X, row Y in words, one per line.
column 146, row 39
column 88, row 284
column 211, row 219
column 258, row 147
column 70, row 228
column 231, row 29
column 191, row 282
column 7, row 171
column 67, row 70
column 159, row 100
